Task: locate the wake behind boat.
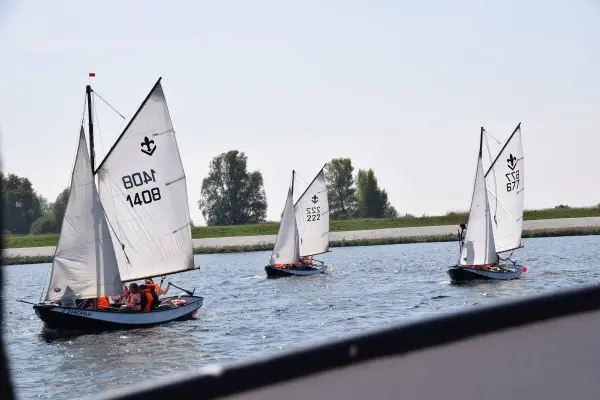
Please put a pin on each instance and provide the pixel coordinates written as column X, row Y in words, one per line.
column 134, row 225
column 486, row 237
column 303, row 232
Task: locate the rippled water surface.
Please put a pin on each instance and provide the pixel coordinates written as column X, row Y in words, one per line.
column 245, row 314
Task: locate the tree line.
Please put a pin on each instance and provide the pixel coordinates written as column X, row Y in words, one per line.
column 230, row 195
column 26, row 211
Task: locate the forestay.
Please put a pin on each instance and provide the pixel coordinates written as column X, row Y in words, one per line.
column 312, row 217
column 506, row 188
column 479, row 248
column 285, row 250
column 84, row 265
column 143, row 189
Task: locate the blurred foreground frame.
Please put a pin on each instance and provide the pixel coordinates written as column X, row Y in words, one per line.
column 6, row 389
column 541, row 347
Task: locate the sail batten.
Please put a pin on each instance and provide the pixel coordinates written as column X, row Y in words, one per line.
column 312, row 217
column 143, row 187
column 84, row 264
column 505, row 184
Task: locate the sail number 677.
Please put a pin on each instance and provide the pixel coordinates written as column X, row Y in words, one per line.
column 513, row 181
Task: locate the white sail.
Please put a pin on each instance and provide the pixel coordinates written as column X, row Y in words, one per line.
column 506, row 188
column 285, row 250
column 312, row 217
column 85, row 265
column 144, row 192
column 479, row 248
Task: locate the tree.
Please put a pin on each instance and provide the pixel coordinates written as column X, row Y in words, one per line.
column 372, row 201
column 340, row 190
column 60, row 207
column 44, row 224
column 45, row 207
column 230, row 195
column 20, row 202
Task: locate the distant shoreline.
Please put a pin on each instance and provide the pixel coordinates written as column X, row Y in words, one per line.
column 385, row 227
column 267, row 244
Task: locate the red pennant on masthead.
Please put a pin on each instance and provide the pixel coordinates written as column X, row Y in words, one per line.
column 92, row 74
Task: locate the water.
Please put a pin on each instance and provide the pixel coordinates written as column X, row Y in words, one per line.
column 247, row 315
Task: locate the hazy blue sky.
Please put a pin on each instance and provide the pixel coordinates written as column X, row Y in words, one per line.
column 399, row 86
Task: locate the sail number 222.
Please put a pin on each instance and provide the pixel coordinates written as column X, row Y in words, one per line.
column 138, row 179
column 313, row 214
column 513, row 181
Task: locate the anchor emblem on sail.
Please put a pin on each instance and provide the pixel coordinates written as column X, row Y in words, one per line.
column 512, row 162
column 149, row 145
column 315, row 199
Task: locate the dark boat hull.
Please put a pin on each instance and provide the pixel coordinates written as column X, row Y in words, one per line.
column 77, row 319
column 273, row 272
column 466, row 274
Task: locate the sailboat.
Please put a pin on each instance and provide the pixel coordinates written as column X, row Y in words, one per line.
column 134, row 224
column 495, row 218
column 303, row 232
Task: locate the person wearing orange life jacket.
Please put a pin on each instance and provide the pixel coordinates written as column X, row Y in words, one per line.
column 149, row 299
column 158, row 290
column 102, row 303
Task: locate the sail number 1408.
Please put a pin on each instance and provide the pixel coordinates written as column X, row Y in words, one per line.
column 138, row 179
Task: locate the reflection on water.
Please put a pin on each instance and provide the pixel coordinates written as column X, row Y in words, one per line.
column 246, row 315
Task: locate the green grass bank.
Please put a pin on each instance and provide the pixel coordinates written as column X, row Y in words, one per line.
column 201, row 232
column 346, row 243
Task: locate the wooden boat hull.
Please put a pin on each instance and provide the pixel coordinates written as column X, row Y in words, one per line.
column 465, row 274
column 77, row 319
column 273, row 272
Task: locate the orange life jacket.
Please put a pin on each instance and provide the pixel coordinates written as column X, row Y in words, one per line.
column 102, row 303
column 149, row 299
column 156, row 287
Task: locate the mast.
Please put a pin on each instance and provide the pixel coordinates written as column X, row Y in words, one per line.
column 88, row 90
column 293, row 179
column 481, row 141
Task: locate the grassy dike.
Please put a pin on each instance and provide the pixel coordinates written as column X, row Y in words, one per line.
column 345, row 243
column 202, row 232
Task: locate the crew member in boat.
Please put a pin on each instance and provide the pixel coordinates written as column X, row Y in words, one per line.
column 119, row 300
column 159, row 291
column 462, row 234
column 134, row 298
column 148, row 298
column 99, row 303
column 306, row 261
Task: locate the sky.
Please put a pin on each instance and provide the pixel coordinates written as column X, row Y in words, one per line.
column 401, row 87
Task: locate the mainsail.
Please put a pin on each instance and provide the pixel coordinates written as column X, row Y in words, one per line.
column 143, row 189
column 505, row 184
column 85, row 265
column 479, row 248
column 312, row 217
column 285, row 250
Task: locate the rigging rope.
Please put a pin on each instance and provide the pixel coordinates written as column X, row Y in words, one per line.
column 108, row 104
column 114, row 205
